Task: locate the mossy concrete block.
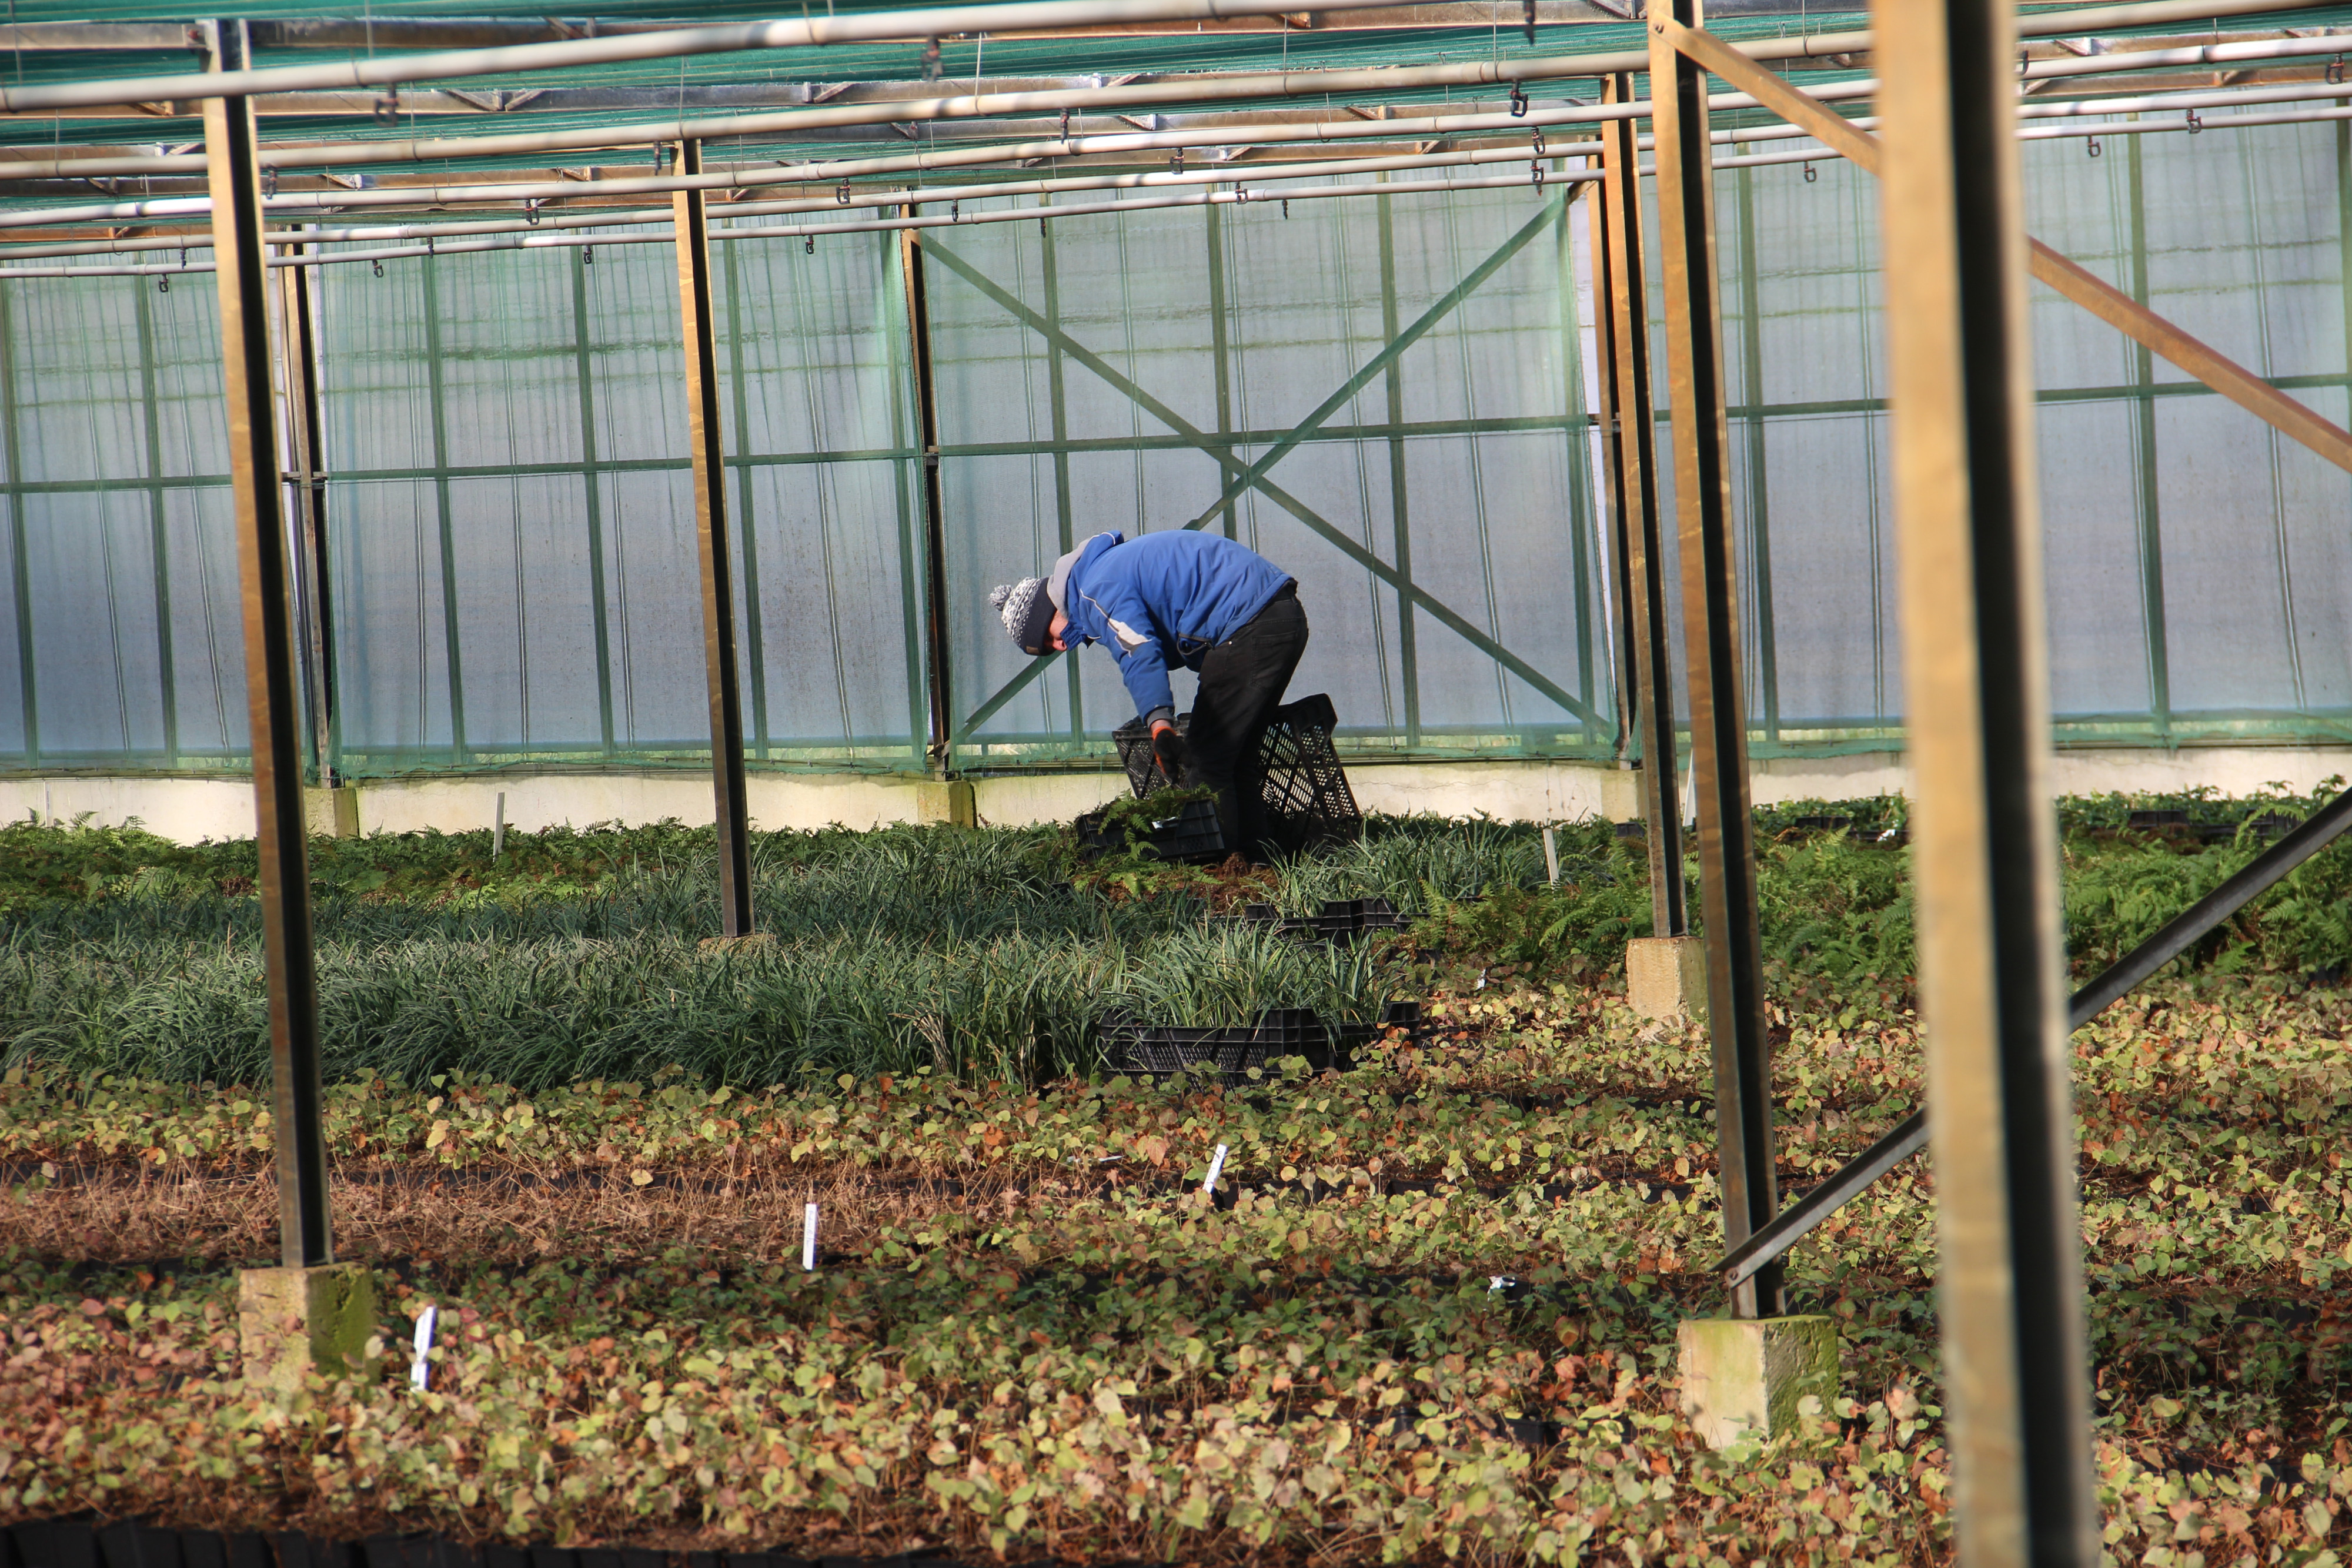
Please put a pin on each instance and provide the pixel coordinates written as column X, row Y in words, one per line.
column 1743, row 1378
column 1665, row 976
column 946, row 801
column 293, row 1320
column 331, row 813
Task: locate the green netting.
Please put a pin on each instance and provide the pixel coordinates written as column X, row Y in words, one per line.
column 511, row 560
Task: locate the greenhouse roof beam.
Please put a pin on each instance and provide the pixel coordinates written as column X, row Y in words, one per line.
column 666, row 43
column 391, row 71
column 509, row 240
column 2290, row 418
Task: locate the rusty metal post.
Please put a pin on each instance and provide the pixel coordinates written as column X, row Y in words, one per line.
column 935, row 543
column 273, row 698
column 1727, row 847
column 306, row 487
column 1613, row 471
column 721, row 673
column 1635, row 443
column 1984, row 850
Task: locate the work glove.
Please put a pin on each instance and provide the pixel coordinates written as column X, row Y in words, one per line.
column 1168, row 747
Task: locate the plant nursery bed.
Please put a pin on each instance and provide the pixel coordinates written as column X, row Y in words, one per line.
column 1428, row 1314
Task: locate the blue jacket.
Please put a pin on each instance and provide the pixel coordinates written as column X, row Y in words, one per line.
column 1164, row 599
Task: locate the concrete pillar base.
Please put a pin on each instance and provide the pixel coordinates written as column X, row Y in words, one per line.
column 293, row 1320
column 946, row 801
column 331, row 813
column 1665, row 976
column 1744, row 1378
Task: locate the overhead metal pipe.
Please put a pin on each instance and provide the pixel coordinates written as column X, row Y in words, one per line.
column 672, row 43
column 599, row 218
column 447, row 195
column 615, row 217
column 1193, row 89
column 1083, row 146
column 874, row 226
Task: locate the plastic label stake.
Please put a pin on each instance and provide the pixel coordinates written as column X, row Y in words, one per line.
column 1552, row 856
column 498, row 828
column 1216, row 1164
column 808, row 1240
column 420, row 1370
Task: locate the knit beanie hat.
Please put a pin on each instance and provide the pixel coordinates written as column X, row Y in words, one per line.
column 1028, row 612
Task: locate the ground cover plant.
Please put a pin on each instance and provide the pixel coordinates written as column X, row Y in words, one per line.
column 1432, row 1314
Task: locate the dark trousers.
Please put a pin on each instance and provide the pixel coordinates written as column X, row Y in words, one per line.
column 1242, row 681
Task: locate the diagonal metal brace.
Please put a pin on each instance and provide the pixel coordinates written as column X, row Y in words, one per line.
column 1908, row 1136
column 1243, row 477
column 2296, row 420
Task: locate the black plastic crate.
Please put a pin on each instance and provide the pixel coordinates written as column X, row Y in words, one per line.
column 2154, row 821
column 1192, row 834
column 1133, row 739
column 1298, row 781
column 1633, row 832
column 1346, row 1039
column 1346, row 919
column 1226, row 1051
column 1231, row 1051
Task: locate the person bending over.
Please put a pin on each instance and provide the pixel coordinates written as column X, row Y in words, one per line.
column 1163, row 600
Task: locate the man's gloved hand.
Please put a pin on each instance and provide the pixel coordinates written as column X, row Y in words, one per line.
column 1168, row 747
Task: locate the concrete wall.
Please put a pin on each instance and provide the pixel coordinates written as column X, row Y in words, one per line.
column 189, row 809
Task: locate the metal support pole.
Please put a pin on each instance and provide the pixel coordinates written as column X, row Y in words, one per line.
column 1984, row 852
column 28, row 691
column 1727, row 849
column 721, row 675
column 272, row 697
column 307, row 487
column 935, row 533
column 1635, row 443
column 159, row 535
column 1613, row 471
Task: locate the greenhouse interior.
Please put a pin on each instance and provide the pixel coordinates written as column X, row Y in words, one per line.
column 1721, row 725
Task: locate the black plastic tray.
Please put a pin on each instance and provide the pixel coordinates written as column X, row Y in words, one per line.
column 1192, row 834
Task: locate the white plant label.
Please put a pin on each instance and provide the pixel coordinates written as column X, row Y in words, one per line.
column 420, row 1369
column 1215, row 1164
column 808, row 1239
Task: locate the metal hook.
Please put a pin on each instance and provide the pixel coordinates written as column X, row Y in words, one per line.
column 163, row 286
column 808, row 245
column 269, row 182
column 1041, row 225
column 1176, row 162
column 2195, row 124
column 429, row 245
column 931, row 59
column 1539, row 141
column 842, row 195
column 531, row 213
column 1536, row 170
column 1528, row 14
column 955, row 212
column 2093, row 147
column 387, row 108
column 2336, row 71
column 1286, row 207
column 1518, row 102
column 587, row 255
column 377, row 267
column 184, row 258
column 1065, row 125
column 1811, row 173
